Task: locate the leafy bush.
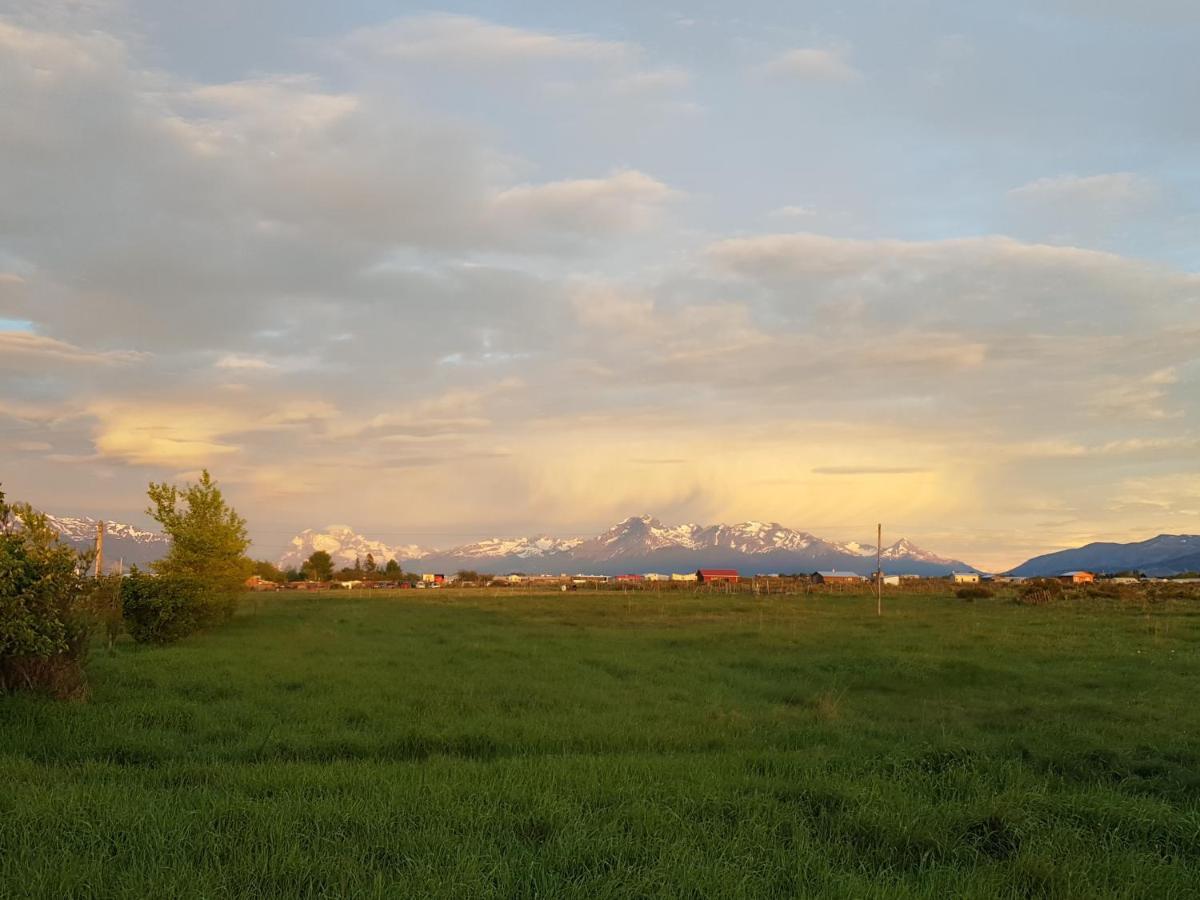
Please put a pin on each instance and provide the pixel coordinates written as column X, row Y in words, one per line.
column 162, row 609
column 43, row 623
column 978, row 592
column 1040, row 591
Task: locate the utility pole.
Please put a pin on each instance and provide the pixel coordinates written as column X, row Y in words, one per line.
column 99, row 548
column 879, row 569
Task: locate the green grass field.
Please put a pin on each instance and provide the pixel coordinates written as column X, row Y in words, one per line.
column 460, row 744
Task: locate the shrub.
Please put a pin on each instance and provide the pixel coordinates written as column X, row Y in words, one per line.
column 43, row 623
column 978, row 592
column 1040, row 592
column 162, row 609
column 104, row 606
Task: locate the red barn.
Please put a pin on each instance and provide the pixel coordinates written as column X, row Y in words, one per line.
column 716, row 576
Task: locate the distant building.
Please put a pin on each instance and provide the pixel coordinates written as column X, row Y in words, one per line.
column 626, row 579
column 433, row 578
column 655, row 576
column 717, row 576
column 1076, row 577
column 964, row 577
column 684, row 576
column 258, row 583
column 833, row 576
column 892, row 580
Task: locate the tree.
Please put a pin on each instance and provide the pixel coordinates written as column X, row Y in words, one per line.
column 318, row 567
column 208, row 537
column 392, row 570
column 369, row 567
column 267, row 571
column 467, row 576
column 43, row 615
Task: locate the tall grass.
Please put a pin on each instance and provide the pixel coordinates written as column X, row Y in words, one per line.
column 460, row 744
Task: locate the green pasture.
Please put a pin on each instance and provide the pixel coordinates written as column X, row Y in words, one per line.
column 594, row 744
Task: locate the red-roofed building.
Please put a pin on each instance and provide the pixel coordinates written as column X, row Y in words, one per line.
column 716, row 576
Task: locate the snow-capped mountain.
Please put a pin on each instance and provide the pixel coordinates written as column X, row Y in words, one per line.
column 521, row 548
column 125, row 545
column 344, row 545
column 639, row 543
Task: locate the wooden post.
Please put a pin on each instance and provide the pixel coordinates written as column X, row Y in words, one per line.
column 99, row 549
column 879, row 569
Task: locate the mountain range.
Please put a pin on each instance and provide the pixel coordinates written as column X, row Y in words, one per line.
column 124, row 545
column 644, row 544
column 637, row 544
column 1166, row 554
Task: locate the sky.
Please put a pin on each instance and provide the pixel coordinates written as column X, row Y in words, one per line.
column 443, row 273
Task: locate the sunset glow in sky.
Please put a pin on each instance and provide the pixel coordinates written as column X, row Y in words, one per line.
column 524, row 268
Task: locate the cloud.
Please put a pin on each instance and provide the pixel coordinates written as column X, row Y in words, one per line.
column 813, row 64
column 1117, row 188
column 23, row 348
column 166, row 435
column 793, row 211
column 626, row 201
column 1089, row 209
column 239, row 362
column 652, row 81
column 456, row 40
column 1137, row 398
column 869, row 470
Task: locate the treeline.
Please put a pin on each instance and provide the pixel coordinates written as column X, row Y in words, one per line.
column 319, row 567
column 50, row 609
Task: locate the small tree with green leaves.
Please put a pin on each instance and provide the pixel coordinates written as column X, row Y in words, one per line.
column 208, row 542
column 318, row 567
column 43, row 606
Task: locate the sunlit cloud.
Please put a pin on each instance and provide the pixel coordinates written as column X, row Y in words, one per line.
column 470, row 273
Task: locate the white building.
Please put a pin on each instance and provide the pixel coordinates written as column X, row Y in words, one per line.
column 964, row 577
column 686, row 576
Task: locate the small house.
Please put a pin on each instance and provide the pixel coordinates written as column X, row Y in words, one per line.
column 964, row 577
column 717, row 576
column 833, row 576
column 1076, row 577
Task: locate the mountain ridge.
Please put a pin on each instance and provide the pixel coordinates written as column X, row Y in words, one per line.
column 636, row 543
column 1163, row 554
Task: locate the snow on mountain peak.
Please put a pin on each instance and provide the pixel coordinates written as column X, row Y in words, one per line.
column 635, row 537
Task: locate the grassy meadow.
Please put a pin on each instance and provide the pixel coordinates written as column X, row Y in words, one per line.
column 472, row 744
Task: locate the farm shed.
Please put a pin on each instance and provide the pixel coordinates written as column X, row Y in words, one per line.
column 714, row 576
column 833, row 576
column 964, row 577
column 1077, row 577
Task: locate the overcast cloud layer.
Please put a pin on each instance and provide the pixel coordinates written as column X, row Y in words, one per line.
column 534, row 268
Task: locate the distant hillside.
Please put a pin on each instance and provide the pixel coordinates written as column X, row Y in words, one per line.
column 1188, row 563
column 1166, row 554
